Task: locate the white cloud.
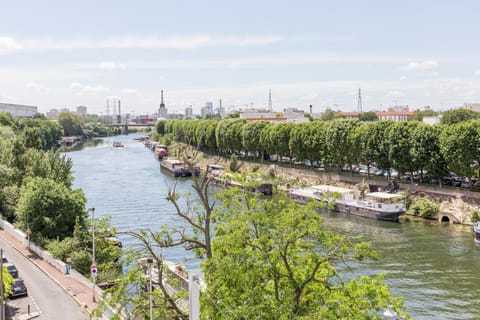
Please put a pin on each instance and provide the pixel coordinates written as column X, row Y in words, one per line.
column 403, row 78
column 421, row 65
column 477, row 72
column 148, row 42
column 129, row 91
column 92, row 90
column 37, row 87
column 6, row 99
column 75, row 85
column 395, row 94
column 8, row 44
column 109, row 65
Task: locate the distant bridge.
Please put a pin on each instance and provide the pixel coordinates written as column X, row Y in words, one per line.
column 125, row 126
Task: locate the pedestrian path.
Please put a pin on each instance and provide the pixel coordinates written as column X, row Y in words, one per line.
column 79, row 292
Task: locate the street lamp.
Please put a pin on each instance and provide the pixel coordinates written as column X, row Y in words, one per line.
column 149, row 261
column 93, row 268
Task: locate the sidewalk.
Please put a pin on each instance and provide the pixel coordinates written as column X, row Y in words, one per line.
column 79, row 292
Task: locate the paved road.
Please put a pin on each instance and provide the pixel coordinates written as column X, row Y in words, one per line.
column 45, row 296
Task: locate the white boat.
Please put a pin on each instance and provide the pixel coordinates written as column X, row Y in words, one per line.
column 375, row 205
column 476, row 231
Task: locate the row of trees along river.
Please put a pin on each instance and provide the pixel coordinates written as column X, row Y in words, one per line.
column 433, row 266
column 410, row 146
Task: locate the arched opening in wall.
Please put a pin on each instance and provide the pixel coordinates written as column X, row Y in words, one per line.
column 445, row 219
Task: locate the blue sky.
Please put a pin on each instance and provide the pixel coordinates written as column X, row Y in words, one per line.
column 57, row 54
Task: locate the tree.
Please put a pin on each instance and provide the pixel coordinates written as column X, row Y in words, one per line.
column 251, row 137
column 328, row 115
column 49, row 209
column 460, row 145
column 275, row 260
column 339, row 143
column 400, row 136
column 458, row 115
column 368, row 116
column 71, row 123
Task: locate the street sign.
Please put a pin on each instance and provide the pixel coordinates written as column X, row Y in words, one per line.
column 93, row 270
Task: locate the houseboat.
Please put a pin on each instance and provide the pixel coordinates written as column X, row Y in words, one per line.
column 476, row 231
column 374, row 205
column 117, row 144
column 177, row 168
column 228, row 180
column 160, row 151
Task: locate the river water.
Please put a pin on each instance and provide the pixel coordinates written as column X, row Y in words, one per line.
column 433, row 266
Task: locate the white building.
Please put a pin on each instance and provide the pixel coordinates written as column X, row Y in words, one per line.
column 189, row 112
column 207, row 110
column 18, row 110
column 288, row 115
column 472, row 106
column 82, row 111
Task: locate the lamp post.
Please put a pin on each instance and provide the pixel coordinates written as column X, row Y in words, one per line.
column 149, row 261
column 93, row 268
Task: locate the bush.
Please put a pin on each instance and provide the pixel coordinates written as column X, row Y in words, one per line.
column 233, row 163
column 475, row 216
column 424, row 208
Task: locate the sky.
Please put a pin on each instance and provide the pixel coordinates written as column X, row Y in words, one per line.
column 62, row 54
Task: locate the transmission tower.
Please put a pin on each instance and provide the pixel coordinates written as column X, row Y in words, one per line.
column 359, row 105
column 270, row 106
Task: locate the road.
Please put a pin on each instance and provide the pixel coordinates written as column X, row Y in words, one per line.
column 45, row 296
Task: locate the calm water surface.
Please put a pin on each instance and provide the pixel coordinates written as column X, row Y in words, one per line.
column 433, row 266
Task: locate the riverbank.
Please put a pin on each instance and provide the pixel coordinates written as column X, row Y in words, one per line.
column 455, row 205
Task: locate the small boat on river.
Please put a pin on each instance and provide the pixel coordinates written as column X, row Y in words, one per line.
column 118, row 144
column 177, row 168
column 161, row 151
column 375, row 205
column 476, row 231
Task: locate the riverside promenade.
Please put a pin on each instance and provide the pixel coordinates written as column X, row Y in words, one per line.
column 81, row 293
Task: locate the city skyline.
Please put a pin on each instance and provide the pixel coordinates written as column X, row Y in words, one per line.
column 58, row 55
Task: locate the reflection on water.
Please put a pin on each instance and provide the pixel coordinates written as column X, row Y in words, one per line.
column 433, row 266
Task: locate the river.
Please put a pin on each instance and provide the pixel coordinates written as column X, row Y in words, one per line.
column 432, row 265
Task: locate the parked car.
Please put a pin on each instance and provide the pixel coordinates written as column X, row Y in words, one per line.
column 19, row 288
column 11, row 269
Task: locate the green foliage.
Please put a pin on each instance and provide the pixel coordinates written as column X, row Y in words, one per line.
column 328, row 115
column 79, row 249
column 7, row 283
column 49, row 209
column 71, row 123
column 458, row 115
column 275, row 260
column 233, row 165
column 6, row 119
column 424, row 208
column 368, row 116
column 475, row 216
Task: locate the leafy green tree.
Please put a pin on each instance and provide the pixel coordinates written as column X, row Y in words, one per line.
column 78, row 248
column 49, row 209
column 420, row 114
column 368, row 116
column 400, row 137
column 426, row 153
column 50, row 165
column 339, row 143
column 6, row 119
column 458, row 115
column 251, row 136
column 460, row 145
column 328, row 115
column 160, row 127
column 71, row 123
column 276, row 260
